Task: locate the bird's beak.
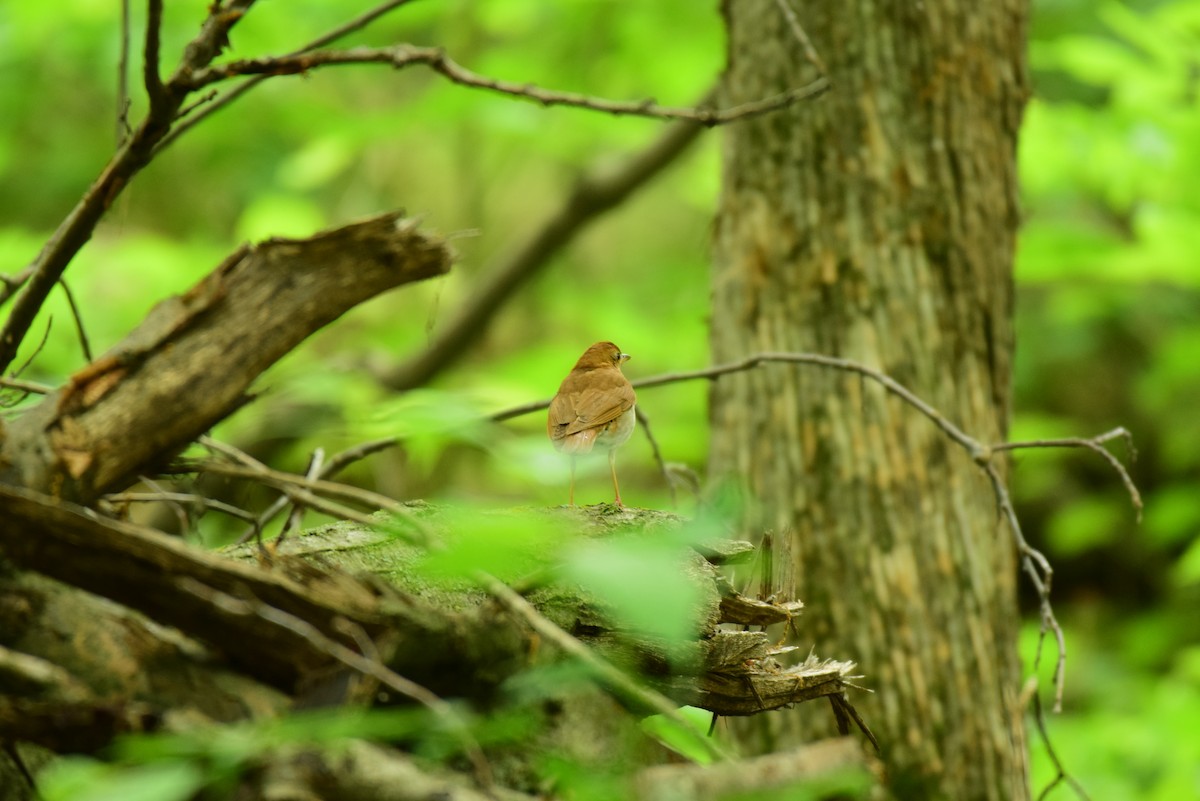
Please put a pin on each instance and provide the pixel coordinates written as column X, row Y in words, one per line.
column 623, row 357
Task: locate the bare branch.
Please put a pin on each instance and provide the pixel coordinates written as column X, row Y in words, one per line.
column 76, row 229
column 219, row 102
column 405, row 55
column 179, row 497
column 751, row 362
column 332, row 468
column 1096, row 445
column 644, row 422
column 297, row 514
column 191, row 361
column 154, row 86
column 304, row 491
column 84, row 344
column 806, row 44
column 12, row 283
column 123, row 77
column 1039, row 718
column 26, row 386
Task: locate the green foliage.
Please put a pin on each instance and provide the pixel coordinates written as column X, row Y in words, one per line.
column 643, row 581
column 510, row 546
column 163, row 767
column 80, row 779
column 1124, row 733
column 682, row 738
column 1108, row 312
column 1108, row 326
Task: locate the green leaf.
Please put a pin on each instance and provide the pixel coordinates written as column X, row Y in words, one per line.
column 509, row 545
column 643, row 582
column 76, row 779
column 683, row 738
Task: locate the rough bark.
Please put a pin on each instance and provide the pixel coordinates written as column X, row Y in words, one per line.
column 878, row 225
column 190, row 362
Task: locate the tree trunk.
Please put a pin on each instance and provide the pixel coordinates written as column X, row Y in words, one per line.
column 878, row 225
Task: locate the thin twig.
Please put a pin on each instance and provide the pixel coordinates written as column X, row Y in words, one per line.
column 181, row 514
column 1039, row 718
column 41, row 344
column 14, row 282
column 305, row 491
column 332, row 468
column 751, row 362
column 222, row 100
column 123, row 77
column 368, row 667
column 614, row 680
column 793, row 22
column 297, row 513
column 253, row 467
column 340, row 461
column 1096, row 445
column 155, row 90
column 662, row 466
column 84, row 344
column 435, row 58
column 180, row 497
column 1041, row 575
column 26, row 386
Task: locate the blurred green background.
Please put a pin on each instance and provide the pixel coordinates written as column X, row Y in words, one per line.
column 1108, row 275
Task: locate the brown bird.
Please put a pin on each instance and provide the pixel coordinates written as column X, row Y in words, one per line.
column 594, row 406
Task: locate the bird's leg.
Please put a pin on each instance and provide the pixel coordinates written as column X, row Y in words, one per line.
column 571, row 500
column 612, row 465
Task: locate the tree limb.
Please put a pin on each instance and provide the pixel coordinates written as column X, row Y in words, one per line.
column 191, row 361
column 435, row 58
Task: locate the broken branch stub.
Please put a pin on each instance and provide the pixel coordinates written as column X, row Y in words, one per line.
column 190, row 362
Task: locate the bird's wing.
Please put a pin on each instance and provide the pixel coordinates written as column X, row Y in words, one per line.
column 597, row 406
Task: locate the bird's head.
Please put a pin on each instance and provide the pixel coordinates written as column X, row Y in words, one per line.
column 602, row 354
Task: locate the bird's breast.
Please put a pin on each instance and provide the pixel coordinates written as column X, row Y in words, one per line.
column 617, row 432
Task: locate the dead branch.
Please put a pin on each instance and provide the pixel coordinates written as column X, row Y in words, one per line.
column 140, row 568
column 191, row 361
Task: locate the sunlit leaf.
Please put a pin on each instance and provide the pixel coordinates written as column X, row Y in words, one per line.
column 683, row 739
column 643, row 582
column 508, row 545
column 85, row 780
